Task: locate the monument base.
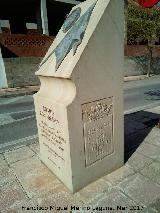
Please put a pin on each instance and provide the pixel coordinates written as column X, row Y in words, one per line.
column 76, row 160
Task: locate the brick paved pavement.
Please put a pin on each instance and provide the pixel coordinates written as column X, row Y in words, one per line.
column 26, row 182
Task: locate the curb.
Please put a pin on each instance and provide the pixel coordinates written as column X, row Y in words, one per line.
column 18, row 91
column 12, row 145
column 30, row 90
column 140, row 77
column 135, row 78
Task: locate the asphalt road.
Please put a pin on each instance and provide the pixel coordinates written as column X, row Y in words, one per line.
column 17, row 115
column 140, row 95
column 17, row 121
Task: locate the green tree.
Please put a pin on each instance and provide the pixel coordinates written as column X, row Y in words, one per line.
column 143, row 25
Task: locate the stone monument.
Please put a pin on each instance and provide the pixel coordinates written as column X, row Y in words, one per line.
column 79, row 107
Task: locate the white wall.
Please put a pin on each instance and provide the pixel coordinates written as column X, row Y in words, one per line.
column 44, row 17
column 31, row 26
column 4, row 23
column 3, row 80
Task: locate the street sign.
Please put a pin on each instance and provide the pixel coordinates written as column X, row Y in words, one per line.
column 148, row 3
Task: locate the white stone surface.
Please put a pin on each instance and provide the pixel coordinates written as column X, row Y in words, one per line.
column 3, row 79
column 44, row 17
column 79, row 107
column 31, row 26
column 4, row 23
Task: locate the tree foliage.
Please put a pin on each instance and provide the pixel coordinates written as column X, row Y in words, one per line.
column 142, row 24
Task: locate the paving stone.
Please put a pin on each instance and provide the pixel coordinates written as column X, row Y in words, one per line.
column 152, row 171
column 154, row 132
column 154, row 140
column 93, row 190
column 156, row 204
column 18, row 154
column 114, row 199
column 138, row 161
column 140, row 189
column 34, row 147
column 1, row 158
column 59, row 197
column 158, row 159
column 34, row 176
column 11, row 194
column 6, row 176
column 148, row 210
column 119, row 175
column 155, row 110
column 21, row 207
column 149, row 150
column 3, row 163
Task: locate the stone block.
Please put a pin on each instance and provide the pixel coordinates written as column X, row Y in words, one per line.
column 23, row 206
column 156, row 205
column 35, row 147
column 153, row 139
column 140, row 189
column 34, row 176
column 154, row 110
column 79, row 107
column 1, row 157
column 119, row 175
column 59, row 199
column 149, row 151
column 6, row 175
column 11, row 194
column 152, row 172
column 138, row 161
column 93, row 190
column 149, row 210
column 153, row 133
column 3, row 163
column 113, row 201
column 18, row 154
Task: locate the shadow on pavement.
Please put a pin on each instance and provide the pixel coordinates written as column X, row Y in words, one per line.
column 136, row 128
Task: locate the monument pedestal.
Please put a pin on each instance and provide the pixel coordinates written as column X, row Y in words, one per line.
column 79, row 107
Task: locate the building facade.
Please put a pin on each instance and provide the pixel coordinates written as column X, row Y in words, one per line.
column 27, row 29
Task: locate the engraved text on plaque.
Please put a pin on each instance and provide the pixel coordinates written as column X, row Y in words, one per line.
column 98, row 129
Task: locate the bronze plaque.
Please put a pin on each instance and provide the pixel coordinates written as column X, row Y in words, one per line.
column 98, row 129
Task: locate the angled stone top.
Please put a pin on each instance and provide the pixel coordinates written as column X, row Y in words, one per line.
column 72, row 39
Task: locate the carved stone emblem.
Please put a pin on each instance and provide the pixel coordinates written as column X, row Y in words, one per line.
column 98, row 130
column 73, row 37
column 71, row 19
